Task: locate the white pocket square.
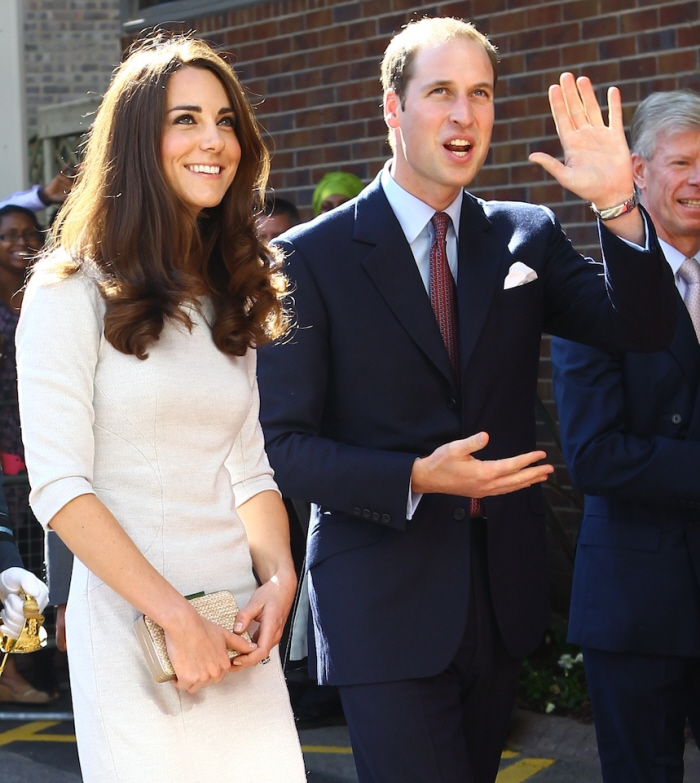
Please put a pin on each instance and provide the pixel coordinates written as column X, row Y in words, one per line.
column 519, row 274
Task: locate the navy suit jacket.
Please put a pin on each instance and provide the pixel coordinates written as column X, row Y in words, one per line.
column 630, row 426
column 364, row 386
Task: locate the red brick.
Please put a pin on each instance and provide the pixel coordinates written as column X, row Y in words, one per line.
column 615, row 48
column 689, row 36
column 602, row 27
column 637, row 68
column 647, row 19
column 580, row 53
column 545, row 58
column 361, row 31
column 677, row 62
column 488, row 7
column 544, row 15
column 582, row 9
column 673, row 14
column 330, row 36
column 559, row 35
column 512, row 152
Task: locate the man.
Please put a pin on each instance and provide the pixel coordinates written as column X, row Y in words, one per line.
column 278, row 216
column 630, row 427
column 375, row 413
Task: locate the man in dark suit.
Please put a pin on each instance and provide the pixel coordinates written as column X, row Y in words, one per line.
column 408, row 418
column 630, row 425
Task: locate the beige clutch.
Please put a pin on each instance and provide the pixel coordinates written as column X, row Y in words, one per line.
column 220, row 608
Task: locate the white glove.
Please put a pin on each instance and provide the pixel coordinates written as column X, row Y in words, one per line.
column 12, row 581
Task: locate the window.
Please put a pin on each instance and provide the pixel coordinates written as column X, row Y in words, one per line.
column 137, row 14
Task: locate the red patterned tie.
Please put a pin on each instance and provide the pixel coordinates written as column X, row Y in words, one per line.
column 442, row 289
column 442, row 298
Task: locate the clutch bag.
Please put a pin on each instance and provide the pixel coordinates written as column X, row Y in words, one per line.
column 220, row 608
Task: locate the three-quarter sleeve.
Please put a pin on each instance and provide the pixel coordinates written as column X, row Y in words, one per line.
column 58, row 344
column 248, row 464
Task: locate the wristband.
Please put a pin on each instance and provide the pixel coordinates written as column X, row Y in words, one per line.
column 610, row 213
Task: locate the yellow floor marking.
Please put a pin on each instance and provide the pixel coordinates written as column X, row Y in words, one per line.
column 523, row 770
column 29, row 733
column 509, row 754
column 325, row 749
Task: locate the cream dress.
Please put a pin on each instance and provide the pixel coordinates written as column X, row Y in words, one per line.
column 171, row 445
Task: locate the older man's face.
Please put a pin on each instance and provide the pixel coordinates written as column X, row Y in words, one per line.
column 669, row 185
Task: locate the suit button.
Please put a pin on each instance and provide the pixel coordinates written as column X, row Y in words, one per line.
column 451, row 403
column 386, row 518
column 366, row 513
column 676, row 418
column 459, row 513
column 375, row 517
column 357, row 511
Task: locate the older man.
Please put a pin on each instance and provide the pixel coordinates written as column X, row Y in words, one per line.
column 630, row 427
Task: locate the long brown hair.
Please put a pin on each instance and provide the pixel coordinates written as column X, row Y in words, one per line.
column 123, row 217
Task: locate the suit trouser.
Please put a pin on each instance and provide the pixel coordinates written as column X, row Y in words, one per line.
column 640, row 706
column 448, row 728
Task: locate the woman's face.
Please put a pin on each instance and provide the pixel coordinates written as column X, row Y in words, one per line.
column 200, row 152
column 331, row 202
column 19, row 243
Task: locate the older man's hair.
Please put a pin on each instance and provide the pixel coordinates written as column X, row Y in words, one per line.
column 663, row 114
column 402, row 49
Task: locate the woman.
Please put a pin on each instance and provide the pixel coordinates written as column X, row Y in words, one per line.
column 334, row 189
column 20, row 240
column 139, row 405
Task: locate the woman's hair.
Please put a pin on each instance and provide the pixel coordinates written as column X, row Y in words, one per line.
column 151, row 255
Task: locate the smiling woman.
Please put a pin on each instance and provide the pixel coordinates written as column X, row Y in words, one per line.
column 139, row 402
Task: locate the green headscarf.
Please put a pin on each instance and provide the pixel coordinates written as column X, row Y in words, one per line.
column 336, row 182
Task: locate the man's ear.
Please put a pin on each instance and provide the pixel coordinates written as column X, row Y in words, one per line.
column 639, row 171
column 392, row 109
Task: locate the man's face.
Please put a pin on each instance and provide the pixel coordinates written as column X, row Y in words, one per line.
column 271, row 226
column 442, row 133
column 669, row 186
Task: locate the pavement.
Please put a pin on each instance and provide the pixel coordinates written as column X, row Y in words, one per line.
column 37, row 745
column 40, row 748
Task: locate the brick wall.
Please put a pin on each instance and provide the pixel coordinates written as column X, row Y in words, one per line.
column 71, row 49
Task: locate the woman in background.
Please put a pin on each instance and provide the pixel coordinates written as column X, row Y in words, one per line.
column 139, row 404
column 20, row 240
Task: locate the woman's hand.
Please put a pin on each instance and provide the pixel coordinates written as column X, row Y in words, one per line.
column 269, row 606
column 197, row 649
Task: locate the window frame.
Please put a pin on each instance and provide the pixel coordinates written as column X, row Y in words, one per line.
column 134, row 18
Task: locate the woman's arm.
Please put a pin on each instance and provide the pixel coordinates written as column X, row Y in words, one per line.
column 267, row 526
column 197, row 648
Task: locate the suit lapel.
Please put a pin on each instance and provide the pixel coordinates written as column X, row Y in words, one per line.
column 390, row 264
column 480, row 261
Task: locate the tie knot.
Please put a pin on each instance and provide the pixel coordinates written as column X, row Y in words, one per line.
column 440, row 221
column 690, row 271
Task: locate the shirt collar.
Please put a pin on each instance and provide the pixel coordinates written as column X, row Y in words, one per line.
column 674, row 257
column 412, row 213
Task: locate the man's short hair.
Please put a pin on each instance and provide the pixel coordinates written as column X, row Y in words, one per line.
column 663, row 114
column 281, row 206
column 399, row 54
